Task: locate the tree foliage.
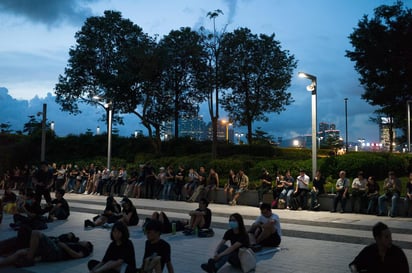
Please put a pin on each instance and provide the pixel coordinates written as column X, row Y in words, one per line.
column 383, row 58
column 256, row 73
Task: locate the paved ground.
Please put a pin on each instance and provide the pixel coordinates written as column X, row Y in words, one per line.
column 312, row 241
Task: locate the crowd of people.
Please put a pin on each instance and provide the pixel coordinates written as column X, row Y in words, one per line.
column 33, row 245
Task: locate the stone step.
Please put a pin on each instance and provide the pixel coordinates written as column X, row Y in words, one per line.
column 347, row 228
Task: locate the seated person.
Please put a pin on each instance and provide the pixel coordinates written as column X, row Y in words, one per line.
column 359, row 193
column 60, row 208
column 110, row 215
column 157, row 252
column 119, row 254
column 200, row 218
column 192, row 181
column 381, row 256
column 47, row 249
column 392, row 187
column 129, row 212
column 266, row 185
column 166, row 223
column 266, row 230
column 29, row 214
column 8, row 200
column 408, row 197
column 317, row 189
column 230, row 186
column 243, row 182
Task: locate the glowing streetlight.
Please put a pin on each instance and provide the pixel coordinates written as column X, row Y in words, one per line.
column 227, row 124
column 109, row 109
column 312, row 88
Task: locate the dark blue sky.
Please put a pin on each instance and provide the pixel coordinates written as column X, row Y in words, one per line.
column 37, row 37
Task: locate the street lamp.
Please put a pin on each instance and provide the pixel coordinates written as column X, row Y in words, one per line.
column 108, row 106
column 312, row 88
column 408, row 103
column 346, row 125
column 98, row 130
column 239, row 135
column 43, row 133
column 227, row 124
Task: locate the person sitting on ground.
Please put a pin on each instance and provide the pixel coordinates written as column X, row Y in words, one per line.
column 342, row 185
column 8, row 200
column 266, row 185
column 393, row 188
column 238, row 237
column 358, row 194
column 201, row 218
column 167, row 225
column 243, row 182
column 381, row 256
column 157, row 252
column 129, row 211
column 111, row 214
column 60, row 208
column 266, row 230
column 29, row 214
column 119, row 255
column 317, row 189
column 48, row 249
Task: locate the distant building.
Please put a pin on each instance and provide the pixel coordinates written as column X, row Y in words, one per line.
column 384, row 134
column 192, row 127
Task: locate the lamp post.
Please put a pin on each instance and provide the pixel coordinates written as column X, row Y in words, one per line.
column 227, row 124
column 312, row 88
column 346, row 126
column 98, row 130
column 238, row 135
column 43, row 133
column 408, row 103
column 108, row 106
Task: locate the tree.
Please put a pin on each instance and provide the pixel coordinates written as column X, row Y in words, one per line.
column 256, row 73
column 382, row 55
column 182, row 60
column 99, row 64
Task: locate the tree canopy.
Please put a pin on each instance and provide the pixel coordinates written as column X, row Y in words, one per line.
column 256, row 73
column 383, row 58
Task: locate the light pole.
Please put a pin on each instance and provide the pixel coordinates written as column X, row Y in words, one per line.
column 43, row 133
column 346, row 126
column 227, row 124
column 239, row 135
column 312, row 88
column 108, row 106
column 408, row 103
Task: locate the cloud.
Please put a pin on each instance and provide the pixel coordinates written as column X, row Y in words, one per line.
column 48, row 12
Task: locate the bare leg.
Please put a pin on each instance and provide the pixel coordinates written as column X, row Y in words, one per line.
column 14, row 257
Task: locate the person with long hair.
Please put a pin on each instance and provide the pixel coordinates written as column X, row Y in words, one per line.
column 238, row 237
column 111, row 214
column 129, row 212
column 119, row 254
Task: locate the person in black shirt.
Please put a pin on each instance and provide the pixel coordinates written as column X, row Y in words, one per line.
column 381, row 256
column 60, row 209
column 238, row 237
column 48, row 249
column 30, row 213
column 119, row 254
column 317, row 188
column 43, row 180
column 200, row 218
column 157, row 252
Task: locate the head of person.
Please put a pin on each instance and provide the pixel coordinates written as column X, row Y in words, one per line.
column 60, row 193
column 120, row 232
column 301, row 172
column 203, row 203
column 241, row 172
column 236, row 222
column 265, row 210
column 86, row 247
column 162, row 169
column 126, row 203
column 371, row 179
column 342, row 174
column 360, row 174
column 382, row 235
column 264, row 171
column 44, row 166
column 318, row 173
column 391, row 174
column 109, row 201
column 153, row 230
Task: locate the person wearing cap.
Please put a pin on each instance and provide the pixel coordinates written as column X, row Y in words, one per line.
column 266, row 185
column 60, row 209
column 157, row 252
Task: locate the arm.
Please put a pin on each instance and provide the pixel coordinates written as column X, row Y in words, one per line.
column 170, row 267
column 227, row 250
column 73, row 254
